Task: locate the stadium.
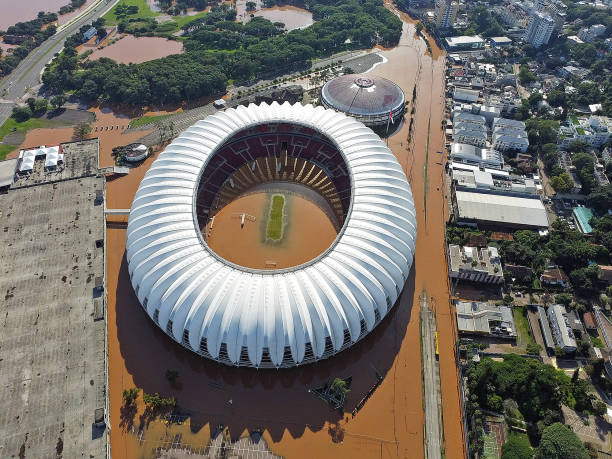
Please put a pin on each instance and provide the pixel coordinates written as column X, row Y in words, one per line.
column 371, row 100
column 270, row 316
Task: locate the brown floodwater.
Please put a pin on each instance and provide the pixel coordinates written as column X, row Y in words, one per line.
column 131, row 49
column 293, row 17
column 13, row 12
column 307, row 232
column 295, row 423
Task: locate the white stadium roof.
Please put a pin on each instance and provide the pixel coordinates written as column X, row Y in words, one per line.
column 271, row 318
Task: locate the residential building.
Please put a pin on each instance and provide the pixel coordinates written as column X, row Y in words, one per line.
column 575, row 323
column 549, row 341
column 582, row 215
column 469, row 154
column 556, row 9
column 510, row 140
column 445, row 13
column 88, row 35
column 476, row 265
column 559, row 324
column 539, row 29
column 464, row 43
column 460, row 115
column 569, row 71
column 499, row 42
column 519, row 272
column 590, row 34
column 470, row 133
column 594, row 131
column 485, row 319
column 465, row 95
column 555, row 277
column 512, row 15
column 605, row 274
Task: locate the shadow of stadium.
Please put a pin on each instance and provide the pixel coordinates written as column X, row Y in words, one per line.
column 212, row 394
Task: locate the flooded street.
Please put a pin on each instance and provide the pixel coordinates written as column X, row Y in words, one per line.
column 131, row 49
column 390, row 424
column 307, row 234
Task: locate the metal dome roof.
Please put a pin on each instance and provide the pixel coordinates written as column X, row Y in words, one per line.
column 266, row 317
column 363, row 95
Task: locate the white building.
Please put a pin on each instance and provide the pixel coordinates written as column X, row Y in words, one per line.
column 539, row 29
column 445, row 13
column 590, row 34
column 594, row 131
column 564, row 336
column 470, row 154
column 509, row 135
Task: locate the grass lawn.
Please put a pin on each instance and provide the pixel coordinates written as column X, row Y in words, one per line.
column 274, row 229
column 32, row 123
column 182, row 20
column 146, row 120
column 522, row 327
column 490, row 447
column 144, row 11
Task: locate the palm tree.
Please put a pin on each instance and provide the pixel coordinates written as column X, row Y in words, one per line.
column 339, row 387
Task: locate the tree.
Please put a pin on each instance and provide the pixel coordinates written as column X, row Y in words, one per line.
column 40, row 107
column 564, row 298
column 533, row 349
column 525, row 75
column 562, row 183
column 130, row 395
column 338, row 386
column 81, row 131
column 22, row 114
column 250, row 6
column 559, row 442
column 155, row 401
column 57, row 101
column 517, row 447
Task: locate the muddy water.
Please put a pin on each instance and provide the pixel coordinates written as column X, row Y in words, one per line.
column 291, row 16
column 131, row 49
column 306, row 234
column 296, row 424
column 67, row 17
column 13, row 12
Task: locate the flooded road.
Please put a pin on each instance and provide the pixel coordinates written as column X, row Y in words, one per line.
column 131, row 49
column 307, row 232
column 295, row 423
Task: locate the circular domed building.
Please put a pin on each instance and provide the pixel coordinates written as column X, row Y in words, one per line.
column 370, row 99
column 271, row 318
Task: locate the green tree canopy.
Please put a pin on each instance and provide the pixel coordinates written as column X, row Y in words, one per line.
column 559, row 442
column 517, row 447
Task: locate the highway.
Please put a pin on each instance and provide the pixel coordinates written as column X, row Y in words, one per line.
column 15, row 86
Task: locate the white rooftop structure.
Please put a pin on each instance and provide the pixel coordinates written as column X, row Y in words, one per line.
column 564, row 337
column 28, row 157
column 485, row 319
column 501, row 209
column 271, row 318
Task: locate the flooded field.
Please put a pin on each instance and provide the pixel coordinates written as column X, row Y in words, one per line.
column 13, row 12
column 306, row 234
column 131, row 49
column 291, row 16
column 294, row 422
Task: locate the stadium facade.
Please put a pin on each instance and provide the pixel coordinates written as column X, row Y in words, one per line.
column 282, row 317
column 370, row 99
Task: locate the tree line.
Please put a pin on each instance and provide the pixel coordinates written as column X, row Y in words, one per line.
column 219, row 49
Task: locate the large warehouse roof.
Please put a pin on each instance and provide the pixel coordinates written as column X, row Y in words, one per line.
column 271, row 318
column 505, row 209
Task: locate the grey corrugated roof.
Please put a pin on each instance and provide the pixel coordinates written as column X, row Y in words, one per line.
column 501, row 208
column 545, row 327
